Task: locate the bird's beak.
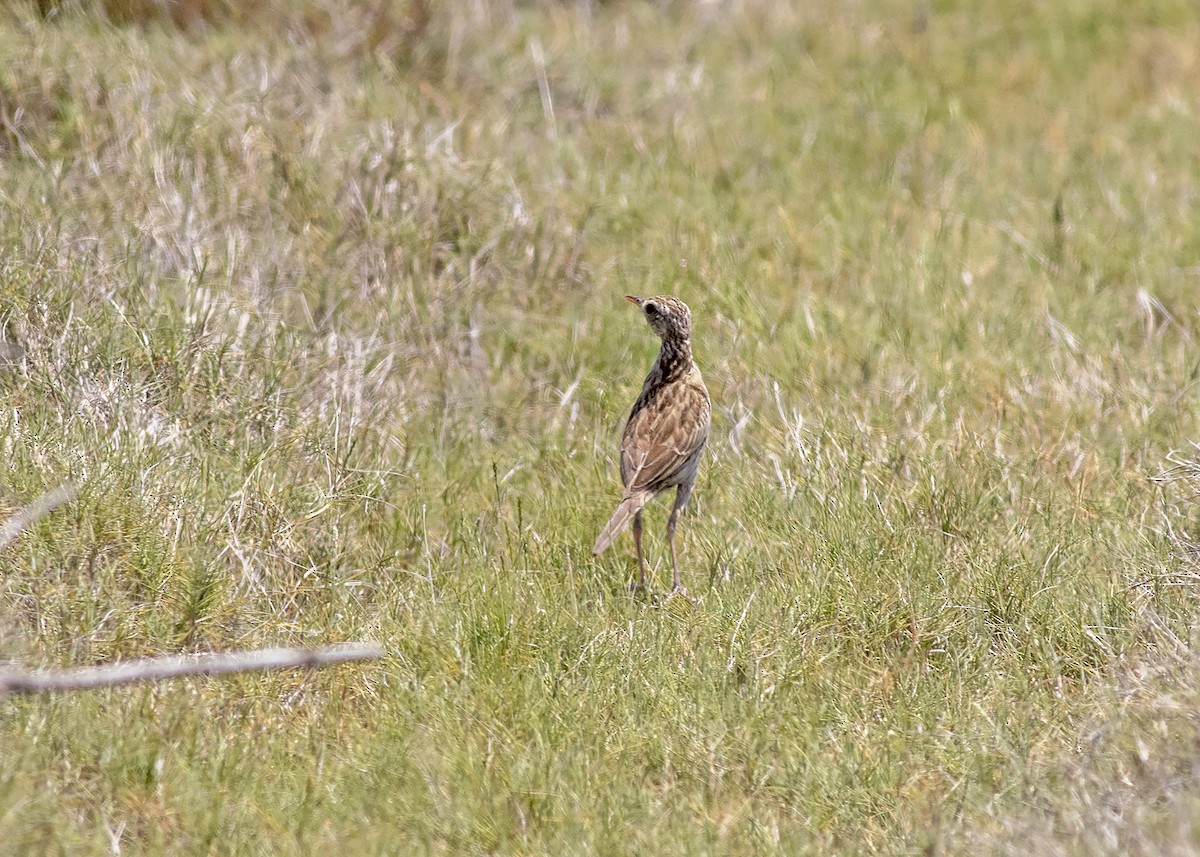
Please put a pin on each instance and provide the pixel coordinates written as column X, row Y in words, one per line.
column 633, row 299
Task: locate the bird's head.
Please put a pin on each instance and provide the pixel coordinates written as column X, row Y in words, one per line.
column 670, row 317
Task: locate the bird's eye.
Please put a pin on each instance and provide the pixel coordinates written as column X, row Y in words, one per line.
column 651, row 309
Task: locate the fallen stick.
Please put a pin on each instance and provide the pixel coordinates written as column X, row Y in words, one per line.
column 15, row 680
column 39, row 508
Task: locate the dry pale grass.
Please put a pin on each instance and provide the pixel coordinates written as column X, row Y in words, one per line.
column 321, row 311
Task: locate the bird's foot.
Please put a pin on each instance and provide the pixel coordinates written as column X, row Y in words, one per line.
column 639, row 588
column 680, row 591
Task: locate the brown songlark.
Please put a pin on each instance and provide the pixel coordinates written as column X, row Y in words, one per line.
column 666, row 431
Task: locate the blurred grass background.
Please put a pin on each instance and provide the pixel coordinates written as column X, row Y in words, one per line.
column 320, row 303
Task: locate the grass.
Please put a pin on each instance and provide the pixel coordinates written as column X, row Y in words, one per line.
column 320, row 305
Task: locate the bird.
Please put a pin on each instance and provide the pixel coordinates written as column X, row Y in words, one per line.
column 665, row 434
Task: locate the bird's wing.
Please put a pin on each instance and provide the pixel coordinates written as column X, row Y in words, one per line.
column 664, row 436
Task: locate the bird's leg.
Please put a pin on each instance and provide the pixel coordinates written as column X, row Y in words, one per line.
column 681, row 498
column 637, row 543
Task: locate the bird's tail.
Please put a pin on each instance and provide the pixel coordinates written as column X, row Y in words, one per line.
column 629, row 507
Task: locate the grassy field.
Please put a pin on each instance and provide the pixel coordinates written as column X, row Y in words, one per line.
column 320, row 304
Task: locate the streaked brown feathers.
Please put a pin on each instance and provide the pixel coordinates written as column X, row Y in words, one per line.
column 665, row 435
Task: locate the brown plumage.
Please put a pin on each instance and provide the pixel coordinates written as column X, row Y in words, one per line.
column 666, row 431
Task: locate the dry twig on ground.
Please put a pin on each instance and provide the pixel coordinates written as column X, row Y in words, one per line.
column 39, row 508
column 14, row 680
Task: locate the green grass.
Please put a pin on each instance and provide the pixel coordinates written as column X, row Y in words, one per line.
column 321, row 307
